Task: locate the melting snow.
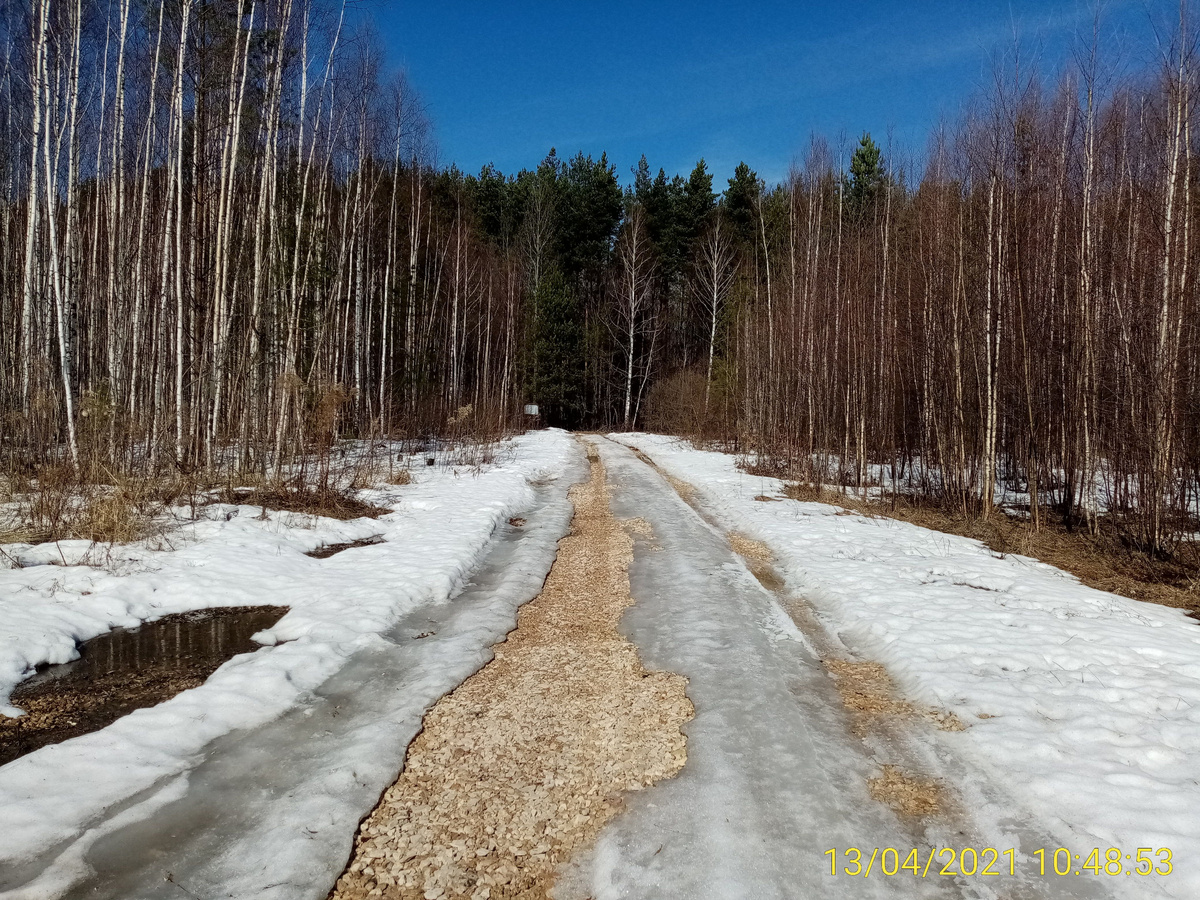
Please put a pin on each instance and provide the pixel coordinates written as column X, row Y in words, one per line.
column 1085, row 704
column 440, row 527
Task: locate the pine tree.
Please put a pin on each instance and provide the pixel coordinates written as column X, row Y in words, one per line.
column 556, row 382
column 740, row 204
column 867, row 177
column 698, row 200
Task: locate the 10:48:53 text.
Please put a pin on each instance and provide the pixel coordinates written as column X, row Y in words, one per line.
column 990, row 861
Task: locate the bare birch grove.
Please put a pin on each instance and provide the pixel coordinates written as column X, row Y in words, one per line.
column 225, row 221
column 1023, row 314
column 224, row 237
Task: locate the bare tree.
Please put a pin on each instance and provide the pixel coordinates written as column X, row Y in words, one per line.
column 715, row 268
column 633, row 316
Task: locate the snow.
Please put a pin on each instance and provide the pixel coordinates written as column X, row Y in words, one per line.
column 342, row 610
column 1083, row 704
column 773, row 778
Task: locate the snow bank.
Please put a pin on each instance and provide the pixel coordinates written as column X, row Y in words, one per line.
column 1084, row 704
column 438, row 529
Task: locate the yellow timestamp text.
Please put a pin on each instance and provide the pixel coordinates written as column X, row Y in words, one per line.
column 1142, row 861
column 971, row 861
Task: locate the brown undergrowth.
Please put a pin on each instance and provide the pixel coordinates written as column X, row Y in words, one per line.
column 1099, row 560
column 329, row 502
column 526, row 761
column 57, row 503
column 123, row 510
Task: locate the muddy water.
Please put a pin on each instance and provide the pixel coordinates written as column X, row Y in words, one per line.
column 128, row 669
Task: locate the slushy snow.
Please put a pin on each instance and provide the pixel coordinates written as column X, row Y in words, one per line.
column 439, row 528
column 1084, row 704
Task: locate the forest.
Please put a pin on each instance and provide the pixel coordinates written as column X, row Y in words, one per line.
column 226, row 240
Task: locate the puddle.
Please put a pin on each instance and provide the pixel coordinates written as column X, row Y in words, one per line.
column 329, row 549
column 128, row 669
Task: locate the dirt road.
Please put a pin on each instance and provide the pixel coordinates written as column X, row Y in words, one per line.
column 529, row 758
column 513, row 788
column 666, row 721
column 558, row 770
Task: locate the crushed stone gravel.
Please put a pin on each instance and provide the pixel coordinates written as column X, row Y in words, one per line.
column 527, row 760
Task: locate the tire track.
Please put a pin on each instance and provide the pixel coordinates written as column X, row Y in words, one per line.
column 528, row 759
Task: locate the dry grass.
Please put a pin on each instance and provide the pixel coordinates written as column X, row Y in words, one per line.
column 16, row 532
column 527, row 760
column 374, row 468
column 328, row 502
column 57, row 504
column 1100, row 561
column 810, row 493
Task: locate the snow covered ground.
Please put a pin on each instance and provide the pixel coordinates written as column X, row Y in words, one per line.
column 1012, row 494
column 440, row 528
column 773, row 777
column 1085, row 705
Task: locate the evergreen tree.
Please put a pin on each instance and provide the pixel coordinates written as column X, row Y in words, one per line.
column 698, row 200
column 659, row 200
column 866, row 179
column 556, row 380
column 589, row 214
column 740, row 202
column 641, row 178
column 497, row 203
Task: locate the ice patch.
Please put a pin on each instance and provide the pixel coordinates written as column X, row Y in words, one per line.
column 1085, row 704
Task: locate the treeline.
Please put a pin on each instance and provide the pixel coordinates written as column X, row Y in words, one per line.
column 1026, row 311
column 224, row 240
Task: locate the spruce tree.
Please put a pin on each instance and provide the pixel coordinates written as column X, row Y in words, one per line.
column 589, row 215
column 556, row 382
column 739, row 202
column 867, row 177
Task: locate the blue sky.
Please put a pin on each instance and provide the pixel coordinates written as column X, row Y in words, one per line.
column 505, row 81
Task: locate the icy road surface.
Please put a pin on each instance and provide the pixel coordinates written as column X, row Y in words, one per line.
column 773, row 777
column 270, row 811
column 776, row 773
column 1083, row 707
